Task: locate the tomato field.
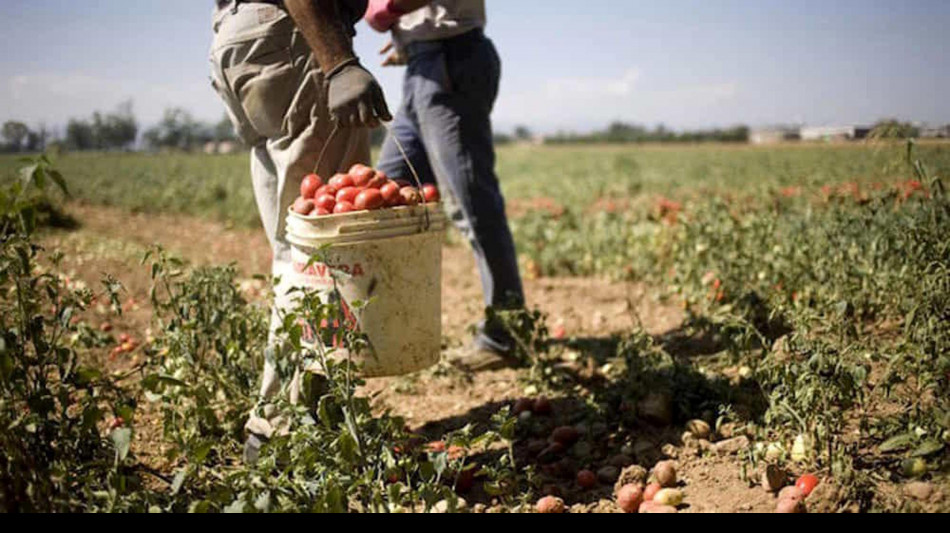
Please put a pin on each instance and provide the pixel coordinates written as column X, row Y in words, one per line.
column 710, row 329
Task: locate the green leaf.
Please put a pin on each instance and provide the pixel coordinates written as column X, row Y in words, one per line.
column 59, row 180
column 201, row 452
column 897, row 443
column 929, row 447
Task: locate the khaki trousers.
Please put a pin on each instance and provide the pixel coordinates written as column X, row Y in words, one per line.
column 274, row 94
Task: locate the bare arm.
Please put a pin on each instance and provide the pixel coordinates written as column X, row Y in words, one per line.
column 354, row 98
column 321, row 25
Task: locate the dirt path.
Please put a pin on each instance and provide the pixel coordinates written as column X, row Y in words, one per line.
column 112, row 240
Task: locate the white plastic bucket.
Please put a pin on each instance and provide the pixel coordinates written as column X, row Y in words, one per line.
column 392, row 259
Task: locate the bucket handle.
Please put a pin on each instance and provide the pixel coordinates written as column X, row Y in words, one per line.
column 412, row 170
column 402, row 151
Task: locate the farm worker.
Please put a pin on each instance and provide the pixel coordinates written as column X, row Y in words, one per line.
column 286, row 71
column 445, row 127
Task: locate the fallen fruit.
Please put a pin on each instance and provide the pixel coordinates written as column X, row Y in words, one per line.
column 699, row 428
column 105, row 327
column 586, row 479
column 608, row 474
column 550, row 505
column 790, row 506
column 672, row 497
column 466, row 480
column 791, row 493
column 655, row 508
column 650, row 492
column 665, row 474
column 565, row 435
column 550, row 453
column 629, row 498
column 806, row 484
column 542, row 406
column 523, row 405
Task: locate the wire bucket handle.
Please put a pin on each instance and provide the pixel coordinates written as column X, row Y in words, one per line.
column 402, row 152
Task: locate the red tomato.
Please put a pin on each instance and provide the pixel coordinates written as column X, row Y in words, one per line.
column 342, row 181
column 326, row 189
column 376, row 183
column 629, row 498
column 410, row 196
column 806, row 484
column 650, row 491
column 347, row 194
column 361, row 175
column 303, row 206
column 118, row 422
column 309, row 186
column 369, row 200
column 326, row 202
column 542, row 406
column 390, row 193
column 343, row 207
column 430, row 192
column 586, row 479
column 321, row 212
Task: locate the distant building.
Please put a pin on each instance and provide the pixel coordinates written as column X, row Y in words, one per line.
column 835, row 133
column 935, row 132
column 774, row 135
column 223, row 147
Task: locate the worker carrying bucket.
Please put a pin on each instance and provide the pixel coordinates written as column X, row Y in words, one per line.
column 300, row 99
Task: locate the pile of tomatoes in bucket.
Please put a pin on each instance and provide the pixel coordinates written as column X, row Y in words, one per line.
column 361, row 189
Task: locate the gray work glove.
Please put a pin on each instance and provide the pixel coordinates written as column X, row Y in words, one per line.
column 354, row 97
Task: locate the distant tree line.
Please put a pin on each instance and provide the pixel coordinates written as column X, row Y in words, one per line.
column 621, row 132
column 103, row 131
column 18, row 137
column 118, row 130
column 178, row 130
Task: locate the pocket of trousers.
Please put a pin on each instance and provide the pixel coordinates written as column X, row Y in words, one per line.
column 265, row 86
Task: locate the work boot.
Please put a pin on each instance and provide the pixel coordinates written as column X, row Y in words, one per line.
column 484, row 354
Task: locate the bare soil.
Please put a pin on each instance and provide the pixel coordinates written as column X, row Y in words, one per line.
column 113, row 241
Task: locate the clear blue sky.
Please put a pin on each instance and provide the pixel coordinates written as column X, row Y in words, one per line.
column 567, row 65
